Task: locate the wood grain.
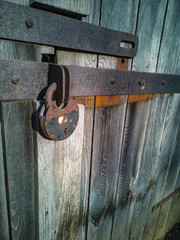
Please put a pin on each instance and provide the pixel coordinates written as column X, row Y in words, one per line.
column 108, row 127
column 64, row 167
column 4, row 227
column 19, row 150
column 161, row 172
column 108, row 131
column 167, row 162
column 61, row 185
column 174, row 213
column 20, row 161
column 129, row 215
column 64, row 172
column 19, row 153
column 171, row 178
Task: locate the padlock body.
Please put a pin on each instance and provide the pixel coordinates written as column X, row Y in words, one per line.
column 61, row 128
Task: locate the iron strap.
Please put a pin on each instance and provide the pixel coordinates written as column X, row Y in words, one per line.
column 29, row 80
column 36, row 26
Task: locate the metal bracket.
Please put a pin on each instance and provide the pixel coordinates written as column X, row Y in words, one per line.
column 29, row 80
column 36, row 26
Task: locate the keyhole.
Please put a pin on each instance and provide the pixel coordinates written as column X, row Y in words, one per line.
column 65, row 131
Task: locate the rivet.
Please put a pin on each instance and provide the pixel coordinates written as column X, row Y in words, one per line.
column 15, row 80
column 113, row 81
column 29, row 23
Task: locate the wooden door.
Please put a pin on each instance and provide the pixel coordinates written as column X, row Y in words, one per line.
column 103, row 181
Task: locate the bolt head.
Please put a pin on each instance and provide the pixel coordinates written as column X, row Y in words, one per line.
column 15, row 80
column 29, row 23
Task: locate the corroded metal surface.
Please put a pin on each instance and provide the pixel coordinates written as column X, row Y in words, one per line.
column 29, row 80
column 92, row 81
column 23, row 80
column 58, row 123
column 36, row 26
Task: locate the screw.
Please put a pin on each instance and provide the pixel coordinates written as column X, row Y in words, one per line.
column 142, row 83
column 29, row 23
column 15, row 80
column 113, row 81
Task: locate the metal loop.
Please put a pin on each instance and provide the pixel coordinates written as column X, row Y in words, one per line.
column 49, row 94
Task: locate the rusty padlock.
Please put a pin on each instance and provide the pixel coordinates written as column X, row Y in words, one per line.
column 58, row 123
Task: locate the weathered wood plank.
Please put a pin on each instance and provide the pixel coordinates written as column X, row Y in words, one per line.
column 167, row 167
column 134, row 135
column 77, row 6
column 64, row 184
column 20, row 161
column 64, row 166
column 149, row 27
column 19, row 153
column 171, row 180
column 4, row 226
column 147, row 166
column 174, row 213
column 61, row 184
column 109, row 123
column 12, row 50
column 164, row 157
column 21, row 2
column 19, row 150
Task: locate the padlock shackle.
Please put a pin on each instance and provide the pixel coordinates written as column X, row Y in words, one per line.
column 49, row 94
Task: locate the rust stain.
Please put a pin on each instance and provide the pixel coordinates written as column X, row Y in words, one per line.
column 139, row 98
column 101, row 101
column 107, row 101
column 122, row 64
column 87, row 101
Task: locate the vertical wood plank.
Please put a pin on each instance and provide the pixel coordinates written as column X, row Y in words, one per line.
column 20, row 161
column 149, row 26
column 64, row 185
column 20, row 155
column 171, row 177
column 174, row 213
column 4, row 228
column 60, row 187
column 107, row 135
column 20, row 151
column 163, row 162
column 168, row 162
column 64, row 166
column 109, row 122
column 146, row 180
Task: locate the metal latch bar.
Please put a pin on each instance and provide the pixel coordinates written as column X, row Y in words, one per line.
column 94, row 81
column 29, row 80
column 26, row 24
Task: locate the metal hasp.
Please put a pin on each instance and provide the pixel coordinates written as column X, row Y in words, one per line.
column 36, row 26
column 29, row 80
